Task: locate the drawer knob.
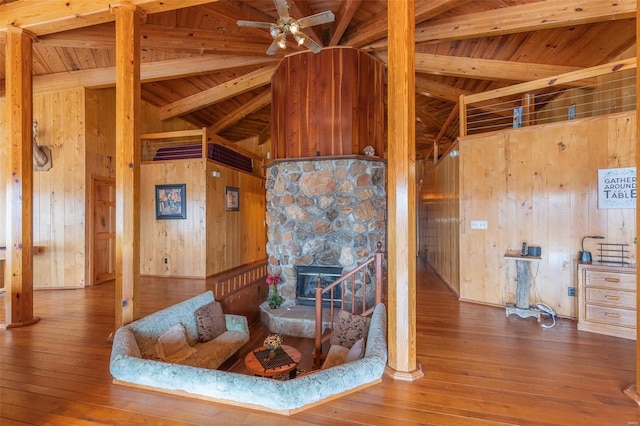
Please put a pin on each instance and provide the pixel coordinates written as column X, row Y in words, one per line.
column 610, row 315
column 612, row 280
column 609, row 297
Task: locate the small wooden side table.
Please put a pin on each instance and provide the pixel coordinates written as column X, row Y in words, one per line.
column 523, row 280
column 253, row 364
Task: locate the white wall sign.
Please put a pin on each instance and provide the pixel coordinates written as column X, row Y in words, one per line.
column 617, row 188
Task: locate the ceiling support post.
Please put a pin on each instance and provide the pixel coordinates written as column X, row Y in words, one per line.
column 632, row 390
column 19, row 179
column 402, row 192
column 128, row 115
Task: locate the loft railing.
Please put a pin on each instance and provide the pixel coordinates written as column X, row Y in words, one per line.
column 598, row 90
column 524, row 104
column 356, row 306
column 196, row 144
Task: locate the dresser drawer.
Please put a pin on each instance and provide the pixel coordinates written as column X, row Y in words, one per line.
column 611, row 279
column 610, row 315
column 615, row 298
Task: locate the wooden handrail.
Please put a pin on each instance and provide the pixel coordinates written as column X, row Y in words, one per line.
column 233, row 280
column 349, row 277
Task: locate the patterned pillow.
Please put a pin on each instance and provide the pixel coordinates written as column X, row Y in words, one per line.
column 348, row 328
column 210, row 321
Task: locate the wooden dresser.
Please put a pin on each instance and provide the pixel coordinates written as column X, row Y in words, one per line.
column 607, row 299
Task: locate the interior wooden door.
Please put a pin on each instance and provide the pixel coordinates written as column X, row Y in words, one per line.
column 103, row 250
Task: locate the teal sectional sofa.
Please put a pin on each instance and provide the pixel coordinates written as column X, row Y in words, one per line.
column 128, row 366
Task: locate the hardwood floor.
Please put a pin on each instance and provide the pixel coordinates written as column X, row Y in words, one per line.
column 479, row 368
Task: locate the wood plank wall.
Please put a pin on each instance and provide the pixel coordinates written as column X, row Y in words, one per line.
column 234, row 237
column 439, row 216
column 59, row 194
column 182, row 242
column 211, row 239
column 539, row 185
column 78, row 126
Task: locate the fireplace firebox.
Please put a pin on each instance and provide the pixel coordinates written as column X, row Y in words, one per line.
column 307, row 280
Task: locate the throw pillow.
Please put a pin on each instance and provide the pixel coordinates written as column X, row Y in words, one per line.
column 348, row 328
column 356, row 351
column 172, row 345
column 210, row 321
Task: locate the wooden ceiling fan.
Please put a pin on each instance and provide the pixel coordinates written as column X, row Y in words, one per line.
column 289, row 25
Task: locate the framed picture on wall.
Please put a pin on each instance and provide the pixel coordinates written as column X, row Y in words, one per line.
column 232, row 198
column 171, row 201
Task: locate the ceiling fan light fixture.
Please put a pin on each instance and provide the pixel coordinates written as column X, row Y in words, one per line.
column 286, row 24
column 274, row 31
column 282, row 41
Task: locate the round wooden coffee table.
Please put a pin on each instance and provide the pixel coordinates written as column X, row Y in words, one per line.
column 254, row 366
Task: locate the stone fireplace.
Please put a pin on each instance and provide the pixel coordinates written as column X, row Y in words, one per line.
column 323, row 212
column 326, row 186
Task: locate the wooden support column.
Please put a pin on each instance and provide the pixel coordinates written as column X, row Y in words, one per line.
column 402, row 192
column 128, row 19
column 632, row 390
column 19, row 169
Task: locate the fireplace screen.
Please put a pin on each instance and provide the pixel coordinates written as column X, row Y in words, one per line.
column 307, row 277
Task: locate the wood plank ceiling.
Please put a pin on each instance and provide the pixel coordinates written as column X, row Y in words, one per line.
column 199, row 65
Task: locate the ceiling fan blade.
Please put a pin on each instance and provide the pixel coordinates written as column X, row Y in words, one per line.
column 317, row 19
column 311, row 43
column 254, row 24
column 282, row 7
column 273, row 48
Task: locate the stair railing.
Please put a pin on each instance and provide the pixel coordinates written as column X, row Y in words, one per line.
column 327, row 294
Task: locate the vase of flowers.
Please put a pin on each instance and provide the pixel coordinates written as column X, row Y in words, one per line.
column 274, row 299
column 273, row 342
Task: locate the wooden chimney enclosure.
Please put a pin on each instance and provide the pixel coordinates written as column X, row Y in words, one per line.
column 327, row 104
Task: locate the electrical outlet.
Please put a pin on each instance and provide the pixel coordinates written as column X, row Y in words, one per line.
column 479, row 224
column 572, row 291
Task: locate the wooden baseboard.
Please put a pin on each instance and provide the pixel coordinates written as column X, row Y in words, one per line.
column 407, row 376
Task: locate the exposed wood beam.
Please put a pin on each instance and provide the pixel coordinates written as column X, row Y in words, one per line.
column 434, row 89
column 217, row 94
column 52, row 16
column 487, row 69
column 159, row 37
column 427, row 120
column 255, row 104
column 537, row 16
column 265, row 135
column 376, row 27
column 149, row 72
column 437, row 90
column 347, row 10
